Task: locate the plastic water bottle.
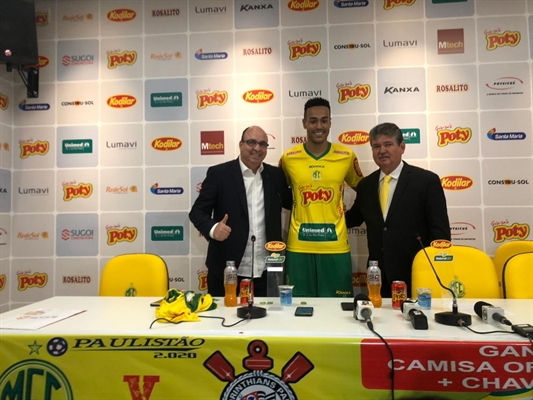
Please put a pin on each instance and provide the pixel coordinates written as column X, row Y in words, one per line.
column 373, row 283
column 230, row 284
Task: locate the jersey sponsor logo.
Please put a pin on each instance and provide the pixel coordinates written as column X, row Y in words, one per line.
column 390, row 4
column 167, row 143
column 72, row 191
column 456, row 182
column 303, row 5
column 297, row 49
column 496, row 39
column 34, row 149
column 117, row 59
column 258, row 96
column 215, row 98
column 319, row 195
column 4, row 101
column 355, row 92
column 121, row 15
column 121, row 101
column 357, row 168
column 503, row 231
column 492, row 135
column 115, row 235
column 441, row 244
column 457, row 135
column 355, row 138
column 292, row 153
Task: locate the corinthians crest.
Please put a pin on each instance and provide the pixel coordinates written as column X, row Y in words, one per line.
column 257, row 383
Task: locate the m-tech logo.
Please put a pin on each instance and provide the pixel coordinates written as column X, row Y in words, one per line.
column 34, row 149
column 458, row 135
column 121, row 15
column 208, row 98
column 355, row 92
column 115, row 235
column 202, row 280
column 496, row 39
column 456, row 182
column 4, row 101
column 256, row 96
column 297, row 49
column 117, row 59
column 72, row 191
column 257, row 382
column 450, row 41
column 41, row 18
column 121, row 101
column 319, row 195
column 355, row 138
column 26, row 281
column 503, row 231
column 389, row 4
column 167, row 143
column 303, row 5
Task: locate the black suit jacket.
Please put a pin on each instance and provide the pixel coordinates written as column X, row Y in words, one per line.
column 418, row 208
column 223, row 192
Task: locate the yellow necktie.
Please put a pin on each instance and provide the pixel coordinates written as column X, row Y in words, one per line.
column 384, row 193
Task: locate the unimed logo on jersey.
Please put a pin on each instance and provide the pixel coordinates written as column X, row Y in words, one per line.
column 456, row 182
column 303, row 5
column 116, row 234
column 496, row 38
column 503, row 230
column 450, row 136
column 38, row 148
column 299, row 49
column 390, row 4
column 73, row 191
column 451, row 41
column 211, row 143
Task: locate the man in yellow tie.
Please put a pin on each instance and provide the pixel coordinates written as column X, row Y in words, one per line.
column 398, row 202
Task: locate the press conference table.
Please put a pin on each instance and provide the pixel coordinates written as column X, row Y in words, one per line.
column 110, row 352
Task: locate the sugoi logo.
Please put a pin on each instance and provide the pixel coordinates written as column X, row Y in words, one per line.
column 441, row 244
column 125, row 234
column 275, row 246
column 26, row 281
column 83, row 190
column 117, row 59
column 319, row 195
column 34, row 149
column 4, row 101
column 216, row 98
column 200, row 55
column 121, row 15
column 77, row 234
column 456, row 182
column 389, row 4
column 121, row 101
column 41, row 18
column 297, row 50
column 303, row 5
column 450, row 41
column 492, row 135
column 496, row 39
column 508, row 232
column 155, row 189
column 211, row 143
column 355, row 92
column 258, row 96
column 166, row 143
column 355, row 138
column 257, row 382
column 458, row 135
column 75, row 60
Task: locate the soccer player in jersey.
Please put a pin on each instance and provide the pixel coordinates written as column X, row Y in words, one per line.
column 318, row 261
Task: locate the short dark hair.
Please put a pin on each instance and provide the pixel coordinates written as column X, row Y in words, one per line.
column 316, row 102
column 243, row 132
column 387, row 129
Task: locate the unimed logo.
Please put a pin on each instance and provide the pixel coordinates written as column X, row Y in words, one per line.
column 211, row 143
column 167, row 99
column 77, row 146
column 451, row 41
column 167, row 233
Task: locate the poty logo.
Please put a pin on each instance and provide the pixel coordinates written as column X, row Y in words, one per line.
column 2, row 282
column 506, row 232
column 456, row 182
column 507, row 38
column 275, row 246
column 258, row 96
column 37, row 280
column 138, row 391
column 167, row 143
column 121, row 15
column 355, row 138
column 32, row 149
column 41, row 18
column 202, row 280
column 297, row 50
column 4, row 102
column 441, row 244
column 492, row 135
column 358, row 91
column 83, row 190
column 125, row 234
column 320, row 195
column 389, row 4
column 458, row 135
column 121, row 101
column 216, row 98
column 117, row 59
column 303, row 5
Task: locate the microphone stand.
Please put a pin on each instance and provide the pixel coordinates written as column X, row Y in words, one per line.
column 453, row 318
column 251, row 311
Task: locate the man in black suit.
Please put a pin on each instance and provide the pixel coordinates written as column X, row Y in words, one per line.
column 415, row 207
column 239, row 210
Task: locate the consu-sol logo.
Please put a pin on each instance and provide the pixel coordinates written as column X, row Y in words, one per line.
column 456, row 182
column 508, row 232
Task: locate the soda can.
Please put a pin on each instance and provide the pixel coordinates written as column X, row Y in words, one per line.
column 247, row 292
column 399, row 294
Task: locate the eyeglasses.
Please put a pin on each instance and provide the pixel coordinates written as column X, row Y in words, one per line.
column 252, row 143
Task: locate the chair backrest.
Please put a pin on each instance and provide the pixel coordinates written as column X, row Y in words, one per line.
column 517, row 277
column 134, row 275
column 468, row 271
column 505, row 251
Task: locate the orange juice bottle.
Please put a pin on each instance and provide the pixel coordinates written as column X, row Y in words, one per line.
column 373, row 283
column 230, row 284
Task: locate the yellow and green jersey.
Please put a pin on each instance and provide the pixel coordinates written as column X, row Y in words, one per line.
column 317, row 220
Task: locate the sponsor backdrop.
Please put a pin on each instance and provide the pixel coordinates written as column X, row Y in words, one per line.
column 138, row 98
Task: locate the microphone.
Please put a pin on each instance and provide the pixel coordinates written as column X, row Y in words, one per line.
column 411, row 312
column 491, row 314
column 250, row 311
column 362, row 310
column 453, row 318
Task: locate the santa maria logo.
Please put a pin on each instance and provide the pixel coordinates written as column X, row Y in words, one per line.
column 200, row 55
column 167, row 233
column 166, row 99
column 33, row 107
column 77, row 146
column 155, row 189
column 350, row 3
column 35, row 379
column 257, row 382
column 492, row 135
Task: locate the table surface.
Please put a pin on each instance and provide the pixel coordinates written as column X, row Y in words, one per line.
column 133, row 315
